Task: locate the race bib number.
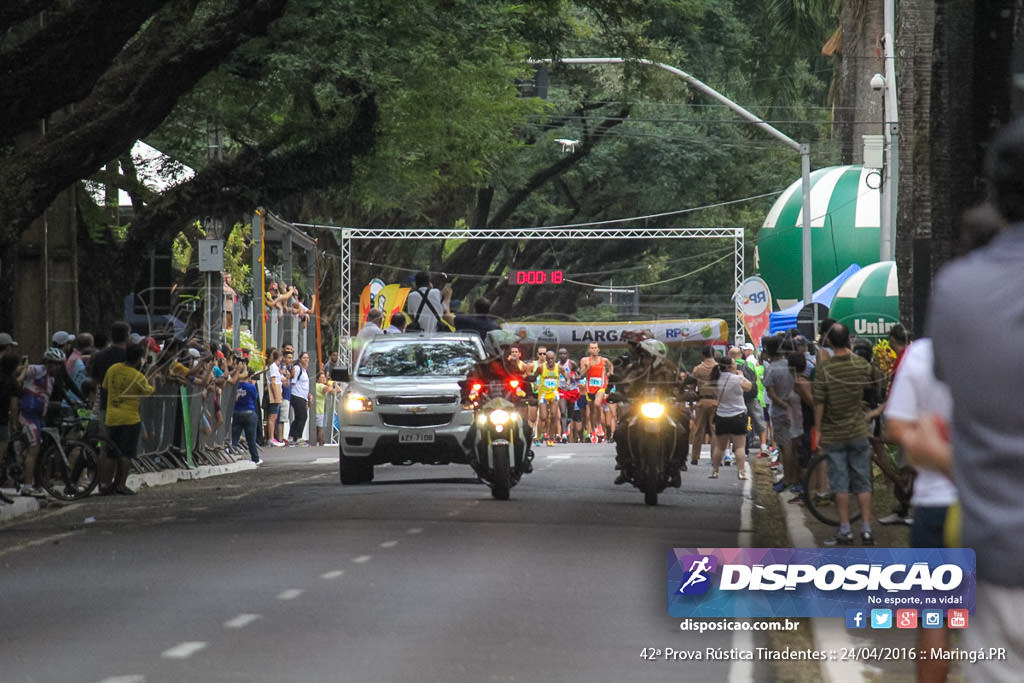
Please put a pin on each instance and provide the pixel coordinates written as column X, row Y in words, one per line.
column 550, row 383
column 596, row 382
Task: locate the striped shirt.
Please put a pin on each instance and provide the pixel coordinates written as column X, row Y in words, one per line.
column 839, row 384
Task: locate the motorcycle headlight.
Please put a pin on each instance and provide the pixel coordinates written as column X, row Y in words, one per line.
column 357, row 403
column 499, row 417
column 652, row 410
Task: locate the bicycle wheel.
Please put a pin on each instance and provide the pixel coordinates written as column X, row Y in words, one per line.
column 819, row 501
column 68, row 475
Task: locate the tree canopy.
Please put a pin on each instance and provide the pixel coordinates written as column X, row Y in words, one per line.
column 407, row 113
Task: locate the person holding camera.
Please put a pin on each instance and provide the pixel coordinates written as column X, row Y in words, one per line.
column 730, row 415
column 244, row 418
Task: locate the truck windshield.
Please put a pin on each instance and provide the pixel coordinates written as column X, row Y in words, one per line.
column 426, row 358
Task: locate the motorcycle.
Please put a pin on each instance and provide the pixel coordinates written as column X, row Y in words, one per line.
column 649, row 441
column 499, row 441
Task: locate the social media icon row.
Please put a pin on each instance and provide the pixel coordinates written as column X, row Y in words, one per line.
column 906, row 618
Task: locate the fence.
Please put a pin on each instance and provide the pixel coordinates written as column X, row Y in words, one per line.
column 185, row 426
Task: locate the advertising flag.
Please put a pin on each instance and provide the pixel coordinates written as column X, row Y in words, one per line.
column 754, row 301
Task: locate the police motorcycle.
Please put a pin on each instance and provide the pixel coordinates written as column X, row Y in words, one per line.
column 653, row 434
column 498, row 442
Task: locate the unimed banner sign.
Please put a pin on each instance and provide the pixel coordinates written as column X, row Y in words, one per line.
column 817, row 582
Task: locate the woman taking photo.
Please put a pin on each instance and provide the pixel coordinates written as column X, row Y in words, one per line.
column 730, row 416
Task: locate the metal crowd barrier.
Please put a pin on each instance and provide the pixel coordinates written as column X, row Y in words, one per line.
column 180, row 428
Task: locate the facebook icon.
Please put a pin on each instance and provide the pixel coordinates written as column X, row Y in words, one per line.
column 855, row 618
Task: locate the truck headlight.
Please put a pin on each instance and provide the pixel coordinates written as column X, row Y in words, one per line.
column 357, row 403
column 499, row 417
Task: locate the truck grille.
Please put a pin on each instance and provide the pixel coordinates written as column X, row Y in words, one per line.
column 416, row 419
column 416, row 400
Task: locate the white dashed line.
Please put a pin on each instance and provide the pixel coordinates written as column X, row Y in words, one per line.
column 414, row 530
column 558, row 457
column 455, row 513
column 324, row 461
column 242, row 620
column 289, row 594
column 183, row 651
column 131, row 678
column 332, row 575
column 362, row 559
column 389, row 544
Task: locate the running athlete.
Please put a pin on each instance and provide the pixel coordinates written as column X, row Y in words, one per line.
column 595, row 370
column 549, row 377
column 568, row 395
column 532, row 370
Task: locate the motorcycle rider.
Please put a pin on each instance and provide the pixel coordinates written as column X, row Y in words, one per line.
column 501, row 366
column 648, row 365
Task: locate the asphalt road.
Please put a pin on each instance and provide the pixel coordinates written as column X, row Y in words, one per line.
column 281, row 574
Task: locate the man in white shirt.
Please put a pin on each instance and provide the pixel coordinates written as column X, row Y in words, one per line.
column 425, row 304
column 917, row 395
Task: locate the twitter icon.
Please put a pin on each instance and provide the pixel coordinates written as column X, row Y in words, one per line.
column 881, row 618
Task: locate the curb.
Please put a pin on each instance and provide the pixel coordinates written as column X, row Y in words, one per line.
column 829, row 634
column 24, row 505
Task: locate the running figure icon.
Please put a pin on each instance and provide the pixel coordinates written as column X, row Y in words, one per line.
column 697, row 570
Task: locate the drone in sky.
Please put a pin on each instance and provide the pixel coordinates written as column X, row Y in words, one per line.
column 567, row 144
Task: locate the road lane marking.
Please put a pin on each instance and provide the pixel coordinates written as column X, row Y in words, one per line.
column 414, row 530
column 559, row 457
column 363, row 559
column 183, row 650
column 389, row 544
column 325, row 461
column 242, row 620
column 332, row 574
column 289, row 594
column 41, row 541
column 130, row 678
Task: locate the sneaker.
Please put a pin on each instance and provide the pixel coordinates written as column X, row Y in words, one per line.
column 621, row 479
column 892, row 518
column 840, row 539
column 779, row 487
column 797, row 489
column 258, row 461
column 822, row 499
column 31, row 491
column 867, row 539
column 277, row 444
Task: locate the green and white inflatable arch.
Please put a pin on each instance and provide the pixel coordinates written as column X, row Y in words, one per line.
column 845, row 229
column 868, row 303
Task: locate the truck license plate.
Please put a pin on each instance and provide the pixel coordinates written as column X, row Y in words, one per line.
column 416, row 436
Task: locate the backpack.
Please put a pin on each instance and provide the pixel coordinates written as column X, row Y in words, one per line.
column 751, row 376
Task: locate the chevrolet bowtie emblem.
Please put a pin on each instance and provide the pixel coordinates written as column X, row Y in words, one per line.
column 417, row 409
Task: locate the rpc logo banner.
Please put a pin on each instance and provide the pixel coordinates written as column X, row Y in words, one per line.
column 816, row 582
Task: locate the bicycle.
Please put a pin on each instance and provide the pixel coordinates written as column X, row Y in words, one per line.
column 885, row 467
column 65, row 468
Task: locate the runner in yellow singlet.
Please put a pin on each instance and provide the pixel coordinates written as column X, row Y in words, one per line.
column 595, row 369
column 549, row 420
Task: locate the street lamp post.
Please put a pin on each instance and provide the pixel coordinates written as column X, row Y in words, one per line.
column 891, row 133
column 803, row 149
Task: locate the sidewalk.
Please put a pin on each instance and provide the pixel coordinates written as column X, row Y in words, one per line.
column 24, row 505
column 831, row 634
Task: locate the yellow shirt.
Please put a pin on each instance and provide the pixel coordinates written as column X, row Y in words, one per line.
column 125, row 386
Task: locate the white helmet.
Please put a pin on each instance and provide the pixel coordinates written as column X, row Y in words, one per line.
column 656, row 349
column 53, row 355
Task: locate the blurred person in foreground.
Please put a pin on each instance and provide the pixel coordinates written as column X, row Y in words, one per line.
column 976, row 298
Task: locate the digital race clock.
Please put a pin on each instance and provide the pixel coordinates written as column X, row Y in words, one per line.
column 535, row 277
